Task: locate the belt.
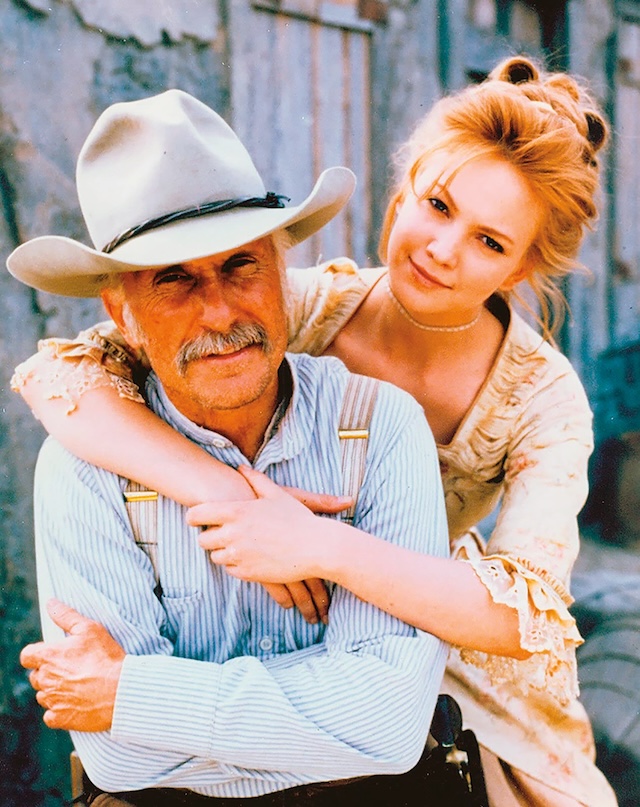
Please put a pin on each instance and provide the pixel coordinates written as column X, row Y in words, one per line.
column 332, row 794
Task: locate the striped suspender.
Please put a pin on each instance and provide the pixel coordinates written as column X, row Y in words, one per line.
column 142, row 509
column 353, row 431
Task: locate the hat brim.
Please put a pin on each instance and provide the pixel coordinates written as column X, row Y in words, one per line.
column 64, row 266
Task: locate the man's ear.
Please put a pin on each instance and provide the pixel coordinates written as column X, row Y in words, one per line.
column 114, row 303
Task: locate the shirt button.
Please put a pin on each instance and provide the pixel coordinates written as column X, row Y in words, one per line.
column 266, row 644
column 219, row 442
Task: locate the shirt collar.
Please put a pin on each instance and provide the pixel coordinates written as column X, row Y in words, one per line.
column 289, row 431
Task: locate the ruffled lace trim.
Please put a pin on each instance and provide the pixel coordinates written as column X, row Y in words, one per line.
column 547, row 629
column 66, row 369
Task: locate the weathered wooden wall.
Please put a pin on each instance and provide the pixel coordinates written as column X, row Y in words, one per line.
column 306, row 85
column 603, row 341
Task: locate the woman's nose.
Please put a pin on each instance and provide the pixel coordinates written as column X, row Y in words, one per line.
column 444, row 246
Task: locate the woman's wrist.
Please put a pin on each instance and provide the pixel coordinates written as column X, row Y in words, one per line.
column 338, row 549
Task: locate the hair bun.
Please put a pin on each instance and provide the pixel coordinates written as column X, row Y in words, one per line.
column 596, row 130
column 519, row 71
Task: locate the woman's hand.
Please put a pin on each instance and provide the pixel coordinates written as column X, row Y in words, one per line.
column 274, row 538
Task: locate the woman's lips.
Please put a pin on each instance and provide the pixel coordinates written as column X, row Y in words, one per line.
column 422, row 272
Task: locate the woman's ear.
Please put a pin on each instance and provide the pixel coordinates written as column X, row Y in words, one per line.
column 520, row 274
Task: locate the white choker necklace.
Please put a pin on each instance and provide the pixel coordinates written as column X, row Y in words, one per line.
column 437, row 328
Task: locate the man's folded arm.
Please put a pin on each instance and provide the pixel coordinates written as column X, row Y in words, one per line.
column 358, row 703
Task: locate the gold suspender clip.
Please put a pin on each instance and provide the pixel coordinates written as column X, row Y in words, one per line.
column 140, row 495
column 353, row 434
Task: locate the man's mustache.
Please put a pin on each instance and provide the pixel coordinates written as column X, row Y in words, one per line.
column 214, row 343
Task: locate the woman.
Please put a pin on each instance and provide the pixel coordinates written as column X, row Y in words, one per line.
column 496, row 186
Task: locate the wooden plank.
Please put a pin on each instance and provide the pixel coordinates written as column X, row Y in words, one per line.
column 252, row 41
column 294, row 105
column 329, row 125
column 291, row 96
column 358, row 144
column 341, row 14
column 627, row 181
column 591, row 29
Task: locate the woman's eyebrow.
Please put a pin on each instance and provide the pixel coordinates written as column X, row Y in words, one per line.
column 500, row 235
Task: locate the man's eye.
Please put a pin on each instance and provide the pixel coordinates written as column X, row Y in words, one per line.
column 240, row 268
column 173, row 276
column 438, row 204
column 492, row 243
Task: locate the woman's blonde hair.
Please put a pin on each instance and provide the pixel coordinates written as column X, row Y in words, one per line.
column 549, row 128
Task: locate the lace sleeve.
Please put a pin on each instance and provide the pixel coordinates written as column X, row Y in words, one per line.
column 529, row 556
column 547, row 629
column 97, row 357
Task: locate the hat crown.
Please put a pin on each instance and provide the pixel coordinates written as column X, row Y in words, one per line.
column 151, row 157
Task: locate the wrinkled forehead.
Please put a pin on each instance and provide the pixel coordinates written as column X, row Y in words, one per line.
column 267, row 251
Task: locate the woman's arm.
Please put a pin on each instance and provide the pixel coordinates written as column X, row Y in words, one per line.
column 274, row 538
column 83, row 392
column 127, row 438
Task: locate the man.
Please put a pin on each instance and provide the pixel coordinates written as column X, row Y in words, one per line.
column 201, row 684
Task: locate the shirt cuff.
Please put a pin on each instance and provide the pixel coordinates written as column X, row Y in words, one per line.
column 167, row 703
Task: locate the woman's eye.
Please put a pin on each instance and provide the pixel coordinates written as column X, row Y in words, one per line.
column 438, row 204
column 492, row 243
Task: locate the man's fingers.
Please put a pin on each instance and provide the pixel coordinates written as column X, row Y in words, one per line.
column 41, row 697
column 320, row 502
column 52, row 720
column 320, row 595
column 31, row 656
column 33, row 679
column 279, row 593
column 303, row 601
column 310, row 597
column 66, row 617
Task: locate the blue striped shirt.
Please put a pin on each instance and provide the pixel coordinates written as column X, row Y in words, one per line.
column 223, row 691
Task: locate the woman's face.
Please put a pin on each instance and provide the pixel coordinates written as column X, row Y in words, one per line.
column 455, row 242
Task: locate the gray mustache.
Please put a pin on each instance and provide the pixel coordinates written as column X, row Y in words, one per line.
column 213, row 343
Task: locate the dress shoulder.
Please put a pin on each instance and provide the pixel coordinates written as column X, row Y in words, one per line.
column 322, row 299
column 97, row 357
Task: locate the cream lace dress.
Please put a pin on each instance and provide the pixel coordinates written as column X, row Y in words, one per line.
column 524, row 445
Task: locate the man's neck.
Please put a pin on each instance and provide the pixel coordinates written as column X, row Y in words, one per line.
column 245, row 426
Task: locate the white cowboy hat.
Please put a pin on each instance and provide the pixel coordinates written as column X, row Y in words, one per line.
column 162, row 181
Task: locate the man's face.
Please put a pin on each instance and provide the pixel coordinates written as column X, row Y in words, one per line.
column 214, row 329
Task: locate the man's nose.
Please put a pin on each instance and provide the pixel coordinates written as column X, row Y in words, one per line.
column 217, row 304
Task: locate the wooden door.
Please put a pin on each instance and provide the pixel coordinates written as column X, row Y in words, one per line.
column 300, row 100
column 625, row 301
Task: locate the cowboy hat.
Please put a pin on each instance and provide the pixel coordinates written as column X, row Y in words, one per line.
column 163, row 181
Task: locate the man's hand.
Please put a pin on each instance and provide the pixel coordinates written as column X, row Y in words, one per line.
column 75, row 679
column 310, row 597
